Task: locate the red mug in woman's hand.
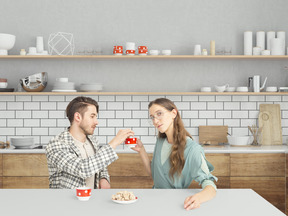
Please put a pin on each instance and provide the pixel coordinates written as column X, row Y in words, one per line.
column 131, row 142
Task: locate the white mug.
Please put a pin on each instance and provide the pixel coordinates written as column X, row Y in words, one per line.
column 205, row 89
column 32, row 50
column 197, row 50
column 154, row 52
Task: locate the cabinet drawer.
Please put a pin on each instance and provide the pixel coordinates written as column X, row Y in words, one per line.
column 1, row 165
column 221, row 163
column 270, row 188
column 128, row 165
column 25, row 182
column 268, row 165
column 223, row 182
column 131, row 182
column 25, row 165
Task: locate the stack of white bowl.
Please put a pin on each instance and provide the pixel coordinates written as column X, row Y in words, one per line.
column 22, row 142
column 91, row 87
column 62, row 85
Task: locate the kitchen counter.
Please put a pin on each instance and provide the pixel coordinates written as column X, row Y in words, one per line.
column 150, row 202
column 150, row 149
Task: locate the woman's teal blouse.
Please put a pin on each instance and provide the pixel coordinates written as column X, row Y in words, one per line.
column 196, row 166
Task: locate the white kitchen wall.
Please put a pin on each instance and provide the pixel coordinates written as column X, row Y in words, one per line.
column 43, row 116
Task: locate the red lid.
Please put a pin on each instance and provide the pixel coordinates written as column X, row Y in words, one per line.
column 3, row 80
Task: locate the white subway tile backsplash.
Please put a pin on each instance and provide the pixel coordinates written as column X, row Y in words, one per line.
column 39, row 114
column 44, row 140
column 257, row 98
column 174, row 98
column 22, row 114
column 7, row 131
column 193, row 131
column 140, row 114
column 14, row 105
column 248, row 122
column 198, row 122
column 102, row 139
column 114, row 105
column 141, row 131
column 115, row 122
column 40, row 131
column 215, row 122
column 56, row 98
column 232, row 122
column 49, row 123
column 131, row 122
column 253, row 114
column 31, row 105
column 106, row 131
column 40, row 98
column 152, row 131
column 223, row 114
column 284, row 114
column 223, row 98
column 206, row 114
column 148, row 139
column 198, row 105
column 215, row 106
column 190, row 98
column 240, row 114
column 283, row 105
column 132, row 106
column 14, row 122
column 285, row 131
column 23, row 98
column 62, row 105
column 144, row 105
column 7, row 114
column 23, row 132
column 145, row 123
column 102, row 123
column 284, row 122
column 123, row 114
column 7, row 98
column 186, row 122
column 258, row 104
column 248, row 105
column 3, row 105
column 190, row 114
column 240, row 98
column 31, row 122
column 273, row 98
column 284, row 98
column 55, row 131
column 232, row 106
column 140, row 98
column 56, row 114
column 123, row 98
column 106, row 98
column 3, row 123
column 182, row 105
column 240, row 131
column 48, row 105
column 106, row 114
column 154, row 97
column 70, row 97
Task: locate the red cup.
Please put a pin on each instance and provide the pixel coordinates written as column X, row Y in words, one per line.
column 118, row 47
column 83, row 193
column 131, row 142
column 142, row 52
column 117, row 52
column 130, row 52
column 142, row 48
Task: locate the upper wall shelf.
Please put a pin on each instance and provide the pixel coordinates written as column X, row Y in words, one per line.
column 141, row 57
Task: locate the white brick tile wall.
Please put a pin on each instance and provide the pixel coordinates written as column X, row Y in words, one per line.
column 43, row 116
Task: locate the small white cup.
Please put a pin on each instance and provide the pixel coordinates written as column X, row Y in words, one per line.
column 32, row 50
column 154, row 52
column 197, row 50
column 3, row 84
column 242, row 89
column 206, row 89
column 166, row 52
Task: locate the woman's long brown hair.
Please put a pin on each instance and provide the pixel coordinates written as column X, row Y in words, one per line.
column 177, row 160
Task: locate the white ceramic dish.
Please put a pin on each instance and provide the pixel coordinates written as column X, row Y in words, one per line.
column 221, row 88
column 271, row 89
column 125, row 202
column 231, row 89
column 62, row 90
column 3, row 84
column 7, row 42
column 242, row 89
column 240, row 140
column 206, row 89
column 22, row 142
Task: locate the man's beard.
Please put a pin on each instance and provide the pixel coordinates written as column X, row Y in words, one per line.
column 86, row 132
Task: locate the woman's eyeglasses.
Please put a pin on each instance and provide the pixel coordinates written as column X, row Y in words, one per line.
column 158, row 115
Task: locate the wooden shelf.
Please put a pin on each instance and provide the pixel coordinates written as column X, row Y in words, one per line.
column 144, row 93
column 103, row 57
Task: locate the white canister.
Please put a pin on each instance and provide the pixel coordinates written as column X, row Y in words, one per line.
column 39, row 44
column 276, row 46
column 260, row 40
column 256, row 50
column 248, row 42
column 270, row 35
column 281, row 34
column 197, row 49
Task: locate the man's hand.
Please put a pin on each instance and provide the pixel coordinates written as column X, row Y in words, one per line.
column 104, row 184
column 120, row 137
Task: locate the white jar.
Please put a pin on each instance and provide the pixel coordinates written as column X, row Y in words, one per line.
column 22, row 52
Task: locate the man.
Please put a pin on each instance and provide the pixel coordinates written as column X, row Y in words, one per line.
column 74, row 157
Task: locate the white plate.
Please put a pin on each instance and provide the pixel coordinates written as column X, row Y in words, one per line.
column 58, row 90
column 125, row 202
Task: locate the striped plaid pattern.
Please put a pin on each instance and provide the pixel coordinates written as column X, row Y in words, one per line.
column 66, row 167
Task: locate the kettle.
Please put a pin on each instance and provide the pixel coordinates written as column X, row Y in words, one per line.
column 256, row 83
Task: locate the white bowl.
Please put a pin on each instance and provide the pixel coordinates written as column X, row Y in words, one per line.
column 7, row 42
column 166, row 52
column 22, row 142
column 240, row 140
column 3, row 84
column 221, row 88
column 231, row 89
column 271, row 89
column 242, row 89
column 205, row 89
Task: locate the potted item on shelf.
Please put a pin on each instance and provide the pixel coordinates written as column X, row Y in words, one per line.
column 35, row 83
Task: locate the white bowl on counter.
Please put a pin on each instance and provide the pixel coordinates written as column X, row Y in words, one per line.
column 240, row 140
column 22, row 142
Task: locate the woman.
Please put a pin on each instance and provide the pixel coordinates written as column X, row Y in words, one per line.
column 177, row 159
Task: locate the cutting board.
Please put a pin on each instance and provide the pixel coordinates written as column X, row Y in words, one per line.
column 270, row 121
column 213, row 134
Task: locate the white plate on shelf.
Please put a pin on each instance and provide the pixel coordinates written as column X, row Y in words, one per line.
column 61, row 90
column 125, row 202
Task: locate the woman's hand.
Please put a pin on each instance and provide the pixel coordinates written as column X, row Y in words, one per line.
column 192, row 202
column 139, row 146
column 120, row 137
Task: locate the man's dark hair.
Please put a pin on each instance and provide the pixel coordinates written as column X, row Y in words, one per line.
column 79, row 104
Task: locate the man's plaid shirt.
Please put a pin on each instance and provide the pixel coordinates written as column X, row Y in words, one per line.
column 66, row 167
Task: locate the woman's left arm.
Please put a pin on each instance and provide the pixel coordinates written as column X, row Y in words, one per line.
column 195, row 200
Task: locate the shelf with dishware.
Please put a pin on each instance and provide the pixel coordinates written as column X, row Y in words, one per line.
column 144, row 93
column 107, row 57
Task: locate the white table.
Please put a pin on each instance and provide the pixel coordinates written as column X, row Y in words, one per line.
column 162, row 202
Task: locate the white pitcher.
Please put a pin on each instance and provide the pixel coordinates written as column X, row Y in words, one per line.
column 256, row 83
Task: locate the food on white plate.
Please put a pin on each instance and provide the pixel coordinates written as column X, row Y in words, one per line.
column 124, row 196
